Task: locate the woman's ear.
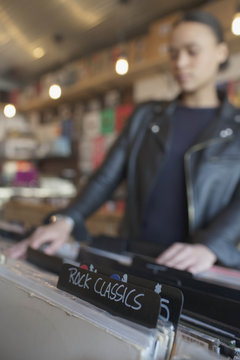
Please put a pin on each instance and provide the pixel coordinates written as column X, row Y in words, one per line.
column 223, row 53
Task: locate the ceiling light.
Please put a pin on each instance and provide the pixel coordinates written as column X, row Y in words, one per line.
column 55, row 91
column 236, row 24
column 121, row 66
column 38, row 52
column 9, row 110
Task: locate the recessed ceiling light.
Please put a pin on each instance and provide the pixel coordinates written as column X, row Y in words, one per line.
column 55, row 91
column 121, row 66
column 236, row 24
column 9, row 110
column 38, row 52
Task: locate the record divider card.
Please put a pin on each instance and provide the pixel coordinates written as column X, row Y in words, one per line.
column 123, row 295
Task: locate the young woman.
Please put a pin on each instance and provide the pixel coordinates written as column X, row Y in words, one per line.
column 181, row 161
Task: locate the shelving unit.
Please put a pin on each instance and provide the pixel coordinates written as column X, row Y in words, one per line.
column 93, row 86
column 98, row 84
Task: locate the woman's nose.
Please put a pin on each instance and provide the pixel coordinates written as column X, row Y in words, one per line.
column 182, row 59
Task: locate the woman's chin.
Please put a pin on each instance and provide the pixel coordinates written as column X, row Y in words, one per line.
column 187, row 88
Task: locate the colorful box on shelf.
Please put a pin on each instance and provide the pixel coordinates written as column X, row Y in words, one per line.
column 91, row 124
column 233, row 89
column 26, row 175
column 19, row 173
column 98, row 151
column 122, row 113
column 107, row 121
column 20, row 147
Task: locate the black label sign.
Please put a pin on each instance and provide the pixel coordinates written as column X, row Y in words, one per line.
column 171, row 301
column 118, row 298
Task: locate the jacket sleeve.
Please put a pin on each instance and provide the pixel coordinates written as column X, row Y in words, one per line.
column 101, row 185
column 222, row 235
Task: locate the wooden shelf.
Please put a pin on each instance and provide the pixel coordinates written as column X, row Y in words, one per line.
column 233, row 42
column 95, row 85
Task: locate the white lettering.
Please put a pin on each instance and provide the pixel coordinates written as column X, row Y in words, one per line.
column 78, row 279
column 72, row 273
column 107, row 291
column 113, row 293
column 101, row 290
column 126, row 299
column 124, row 294
column 119, row 294
column 95, row 286
column 139, row 305
column 86, row 281
column 163, row 303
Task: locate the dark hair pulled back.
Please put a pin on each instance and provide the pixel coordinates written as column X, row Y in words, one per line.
column 211, row 21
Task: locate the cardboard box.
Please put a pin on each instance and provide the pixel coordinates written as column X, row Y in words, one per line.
column 159, row 35
column 162, row 28
column 223, row 10
column 138, row 50
column 101, row 62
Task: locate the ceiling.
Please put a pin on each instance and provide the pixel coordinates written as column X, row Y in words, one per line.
column 69, row 29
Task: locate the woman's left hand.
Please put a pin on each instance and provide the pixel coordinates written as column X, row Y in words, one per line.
column 191, row 257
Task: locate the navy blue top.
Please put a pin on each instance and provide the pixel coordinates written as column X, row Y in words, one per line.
column 165, row 217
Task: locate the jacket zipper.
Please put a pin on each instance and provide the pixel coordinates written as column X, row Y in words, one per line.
column 189, row 187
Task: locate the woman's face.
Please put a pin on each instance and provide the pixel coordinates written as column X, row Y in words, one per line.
column 195, row 55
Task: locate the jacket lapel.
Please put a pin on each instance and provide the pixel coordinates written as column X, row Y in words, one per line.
column 221, row 126
column 161, row 123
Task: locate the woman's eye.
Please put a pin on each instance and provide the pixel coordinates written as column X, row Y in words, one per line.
column 173, row 55
column 193, row 52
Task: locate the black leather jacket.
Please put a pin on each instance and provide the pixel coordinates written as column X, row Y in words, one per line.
column 212, row 172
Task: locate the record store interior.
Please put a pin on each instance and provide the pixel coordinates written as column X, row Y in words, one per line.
column 120, row 180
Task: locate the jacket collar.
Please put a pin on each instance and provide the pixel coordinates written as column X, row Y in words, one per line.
column 223, row 125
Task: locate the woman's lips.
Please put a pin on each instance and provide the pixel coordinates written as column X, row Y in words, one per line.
column 184, row 77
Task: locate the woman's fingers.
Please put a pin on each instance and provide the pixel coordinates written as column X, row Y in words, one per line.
column 170, row 253
column 19, row 250
column 194, row 258
column 55, row 235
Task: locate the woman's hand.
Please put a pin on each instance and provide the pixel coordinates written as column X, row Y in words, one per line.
column 55, row 235
column 194, row 258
